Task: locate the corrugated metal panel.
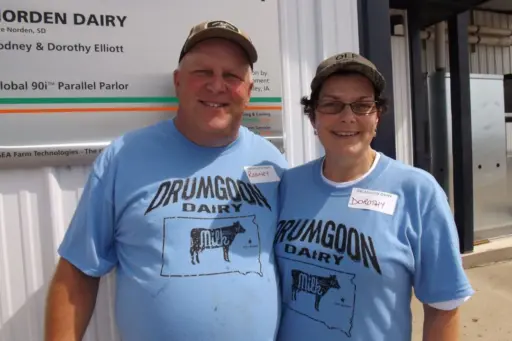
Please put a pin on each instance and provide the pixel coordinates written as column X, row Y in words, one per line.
column 401, row 100
column 484, row 59
column 508, row 127
column 35, row 208
column 37, row 204
column 428, row 56
column 402, row 94
column 491, row 59
column 310, row 31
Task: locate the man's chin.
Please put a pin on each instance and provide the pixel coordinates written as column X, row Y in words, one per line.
column 222, row 127
column 221, row 122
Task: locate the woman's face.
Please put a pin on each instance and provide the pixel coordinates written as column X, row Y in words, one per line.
column 344, row 133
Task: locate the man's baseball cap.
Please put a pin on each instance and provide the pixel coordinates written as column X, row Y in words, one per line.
column 348, row 61
column 220, row 29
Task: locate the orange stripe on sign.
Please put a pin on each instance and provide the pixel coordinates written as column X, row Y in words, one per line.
column 110, row 109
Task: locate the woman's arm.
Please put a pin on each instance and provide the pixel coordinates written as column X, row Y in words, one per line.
column 440, row 280
column 440, row 325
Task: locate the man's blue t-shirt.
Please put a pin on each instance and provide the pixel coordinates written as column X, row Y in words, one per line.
column 350, row 256
column 190, row 232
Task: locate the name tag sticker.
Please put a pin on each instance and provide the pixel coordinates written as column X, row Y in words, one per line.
column 373, row 200
column 261, row 174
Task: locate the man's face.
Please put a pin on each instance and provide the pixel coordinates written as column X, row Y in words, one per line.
column 213, row 85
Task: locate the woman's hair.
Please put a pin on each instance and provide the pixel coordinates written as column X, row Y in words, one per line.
column 309, row 104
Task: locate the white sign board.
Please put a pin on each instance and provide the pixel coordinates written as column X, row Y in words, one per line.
column 75, row 74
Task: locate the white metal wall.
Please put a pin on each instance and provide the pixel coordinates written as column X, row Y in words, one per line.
column 401, row 100
column 37, row 204
column 492, row 59
column 35, row 207
column 508, row 128
column 402, row 94
column 310, row 32
column 483, row 59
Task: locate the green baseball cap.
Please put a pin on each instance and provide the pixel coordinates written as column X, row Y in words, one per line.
column 348, row 61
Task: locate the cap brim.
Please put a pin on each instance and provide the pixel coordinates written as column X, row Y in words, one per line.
column 222, row 33
column 373, row 75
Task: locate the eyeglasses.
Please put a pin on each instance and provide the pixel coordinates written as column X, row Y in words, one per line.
column 360, row 108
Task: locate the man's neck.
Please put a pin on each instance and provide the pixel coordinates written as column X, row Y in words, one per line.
column 348, row 169
column 212, row 140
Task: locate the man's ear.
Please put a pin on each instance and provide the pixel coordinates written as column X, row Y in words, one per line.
column 176, row 79
column 251, row 86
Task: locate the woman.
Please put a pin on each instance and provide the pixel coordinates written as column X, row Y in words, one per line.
column 359, row 231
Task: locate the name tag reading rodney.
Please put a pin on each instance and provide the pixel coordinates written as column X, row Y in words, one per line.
column 373, row 200
column 261, row 174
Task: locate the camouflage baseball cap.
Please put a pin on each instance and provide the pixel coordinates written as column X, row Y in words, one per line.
column 348, row 61
column 220, row 29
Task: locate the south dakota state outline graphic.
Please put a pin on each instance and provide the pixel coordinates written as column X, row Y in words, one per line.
column 210, row 246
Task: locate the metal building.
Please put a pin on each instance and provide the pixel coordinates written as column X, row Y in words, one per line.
column 450, row 64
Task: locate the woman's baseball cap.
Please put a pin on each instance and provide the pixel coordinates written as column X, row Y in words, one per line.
column 348, row 61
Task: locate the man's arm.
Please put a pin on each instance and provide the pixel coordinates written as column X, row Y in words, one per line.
column 440, row 325
column 70, row 303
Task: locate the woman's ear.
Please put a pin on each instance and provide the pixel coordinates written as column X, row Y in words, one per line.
column 312, row 120
column 313, row 124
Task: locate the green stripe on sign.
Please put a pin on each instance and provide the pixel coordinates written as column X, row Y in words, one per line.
column 97, row 100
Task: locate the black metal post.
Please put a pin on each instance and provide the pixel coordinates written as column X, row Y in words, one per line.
column 375, row 44
column 461, row 129
column 438, row 113
column 419, row 92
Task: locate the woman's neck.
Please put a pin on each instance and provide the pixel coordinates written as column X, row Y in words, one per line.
column 348, row 169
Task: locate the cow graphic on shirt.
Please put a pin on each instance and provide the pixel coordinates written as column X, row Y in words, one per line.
column 312, row 284
column 221, row 237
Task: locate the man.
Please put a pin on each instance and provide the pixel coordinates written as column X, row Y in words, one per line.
column 185, row 210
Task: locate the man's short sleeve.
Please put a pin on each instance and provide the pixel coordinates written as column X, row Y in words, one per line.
column 439, row 274
column 88, row 242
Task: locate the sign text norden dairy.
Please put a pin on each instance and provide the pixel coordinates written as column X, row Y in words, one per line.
column 60, row 18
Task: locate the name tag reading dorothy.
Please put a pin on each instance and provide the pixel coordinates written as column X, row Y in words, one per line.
column 373, row 200
column 261, row 174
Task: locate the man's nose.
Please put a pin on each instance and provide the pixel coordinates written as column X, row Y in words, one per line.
column 216, row 84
